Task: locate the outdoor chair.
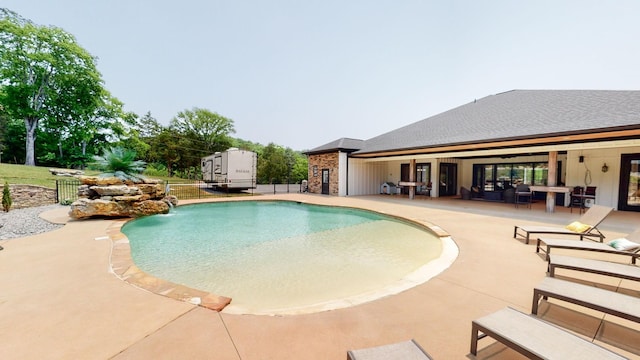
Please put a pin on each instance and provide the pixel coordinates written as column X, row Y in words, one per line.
column 535, row 338
column 585, row 227
column 579, row 197
column 606, row 301
column 628, row 245
column 523, row 195
column 406, row 350
column 600, row 267
column 576, row 197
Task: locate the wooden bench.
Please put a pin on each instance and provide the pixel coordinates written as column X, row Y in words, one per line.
column 535, row 338
column 623, row 271
column 610, row 302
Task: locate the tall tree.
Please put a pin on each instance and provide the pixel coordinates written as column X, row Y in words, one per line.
column 140, row 135
column 210, row 130
column 272, row 165
column 45, row 75
column 165, row 148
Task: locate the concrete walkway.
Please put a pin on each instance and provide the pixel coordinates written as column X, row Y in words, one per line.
column 60, row 300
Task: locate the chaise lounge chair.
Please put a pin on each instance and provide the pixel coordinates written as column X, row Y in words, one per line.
column 627, row 246
column 535, row 338
column 585, row 227
column 406, row 350
column 609, row 302
column 623, row 271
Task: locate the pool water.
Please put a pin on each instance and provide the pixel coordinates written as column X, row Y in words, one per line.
column 274, row 255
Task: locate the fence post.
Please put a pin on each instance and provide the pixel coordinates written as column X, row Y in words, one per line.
column 57, row 193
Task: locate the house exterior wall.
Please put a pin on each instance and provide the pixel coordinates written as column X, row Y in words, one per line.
column 342, row 173
column 354, row 176
column 366, row 177
column 589, row 172
column 317, row 163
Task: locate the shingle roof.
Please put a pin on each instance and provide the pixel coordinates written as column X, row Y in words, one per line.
column 516, row 114
column 342, row 144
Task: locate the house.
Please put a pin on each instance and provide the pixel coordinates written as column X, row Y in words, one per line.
column 553, row 139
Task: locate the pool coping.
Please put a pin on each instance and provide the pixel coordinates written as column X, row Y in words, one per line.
column 123, row 267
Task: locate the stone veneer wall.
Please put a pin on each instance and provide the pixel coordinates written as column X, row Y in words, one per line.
column 319, row 162
column 24, row 196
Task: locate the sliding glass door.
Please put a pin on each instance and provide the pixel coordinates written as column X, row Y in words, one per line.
column 629, row 196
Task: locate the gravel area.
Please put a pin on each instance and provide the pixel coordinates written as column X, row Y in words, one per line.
column 24, row 222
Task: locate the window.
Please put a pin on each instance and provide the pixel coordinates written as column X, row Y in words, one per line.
column 501, row 176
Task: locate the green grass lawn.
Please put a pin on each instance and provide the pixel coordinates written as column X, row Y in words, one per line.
column 29, row 175
column 41, row 176
column 38, row 175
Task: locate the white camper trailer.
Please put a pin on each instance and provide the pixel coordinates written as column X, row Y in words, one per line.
column 233, row 169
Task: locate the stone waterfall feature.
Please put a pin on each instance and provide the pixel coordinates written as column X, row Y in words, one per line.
column 113, row 197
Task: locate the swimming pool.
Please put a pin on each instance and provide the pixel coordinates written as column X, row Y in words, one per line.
column 280, row 256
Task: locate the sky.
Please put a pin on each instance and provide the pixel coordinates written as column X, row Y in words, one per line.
column 301, row 74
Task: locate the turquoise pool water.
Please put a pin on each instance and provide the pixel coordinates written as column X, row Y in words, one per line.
column 274, row 255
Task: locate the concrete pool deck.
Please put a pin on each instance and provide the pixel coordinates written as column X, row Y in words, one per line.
column 60, row 300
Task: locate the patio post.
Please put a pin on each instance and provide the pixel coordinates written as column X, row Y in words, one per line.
column 412, row 178
column 551, row 180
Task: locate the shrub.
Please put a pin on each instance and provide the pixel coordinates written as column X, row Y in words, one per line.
column 120, row 163
column 156, row 169
column 6, row 197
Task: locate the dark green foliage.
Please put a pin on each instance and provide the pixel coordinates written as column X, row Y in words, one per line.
column 278, row 165
column 120, row 163
column 6, row 197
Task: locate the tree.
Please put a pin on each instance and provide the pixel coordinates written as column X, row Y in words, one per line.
column 164, row 148
column 210, row 130
column 45, row 75
column 272, row 165
column 300, row 169
column 11, row 139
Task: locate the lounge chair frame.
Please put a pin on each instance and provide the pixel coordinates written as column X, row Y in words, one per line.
column 406, row 350
column 535, row 338
column 610, row 302
column 622, row 271
column 593, row 217
column 551, row 243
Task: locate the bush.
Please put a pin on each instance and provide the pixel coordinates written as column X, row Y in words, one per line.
column 6, row 197
column 120, row 163
column 156, row 169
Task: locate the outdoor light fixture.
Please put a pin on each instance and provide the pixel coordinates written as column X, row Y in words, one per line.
column 605, row 168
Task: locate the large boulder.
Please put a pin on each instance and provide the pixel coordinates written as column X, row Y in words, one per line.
column 66, row 172
column 85, row 208
column 113, row 197
column 150, row 207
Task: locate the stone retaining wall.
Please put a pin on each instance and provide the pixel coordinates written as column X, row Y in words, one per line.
column 25, row 196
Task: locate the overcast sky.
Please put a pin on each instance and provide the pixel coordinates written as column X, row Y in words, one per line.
column 303, row 73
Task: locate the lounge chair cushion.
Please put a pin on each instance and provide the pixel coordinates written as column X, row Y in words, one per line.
column 624, row 244
column 578, row 227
